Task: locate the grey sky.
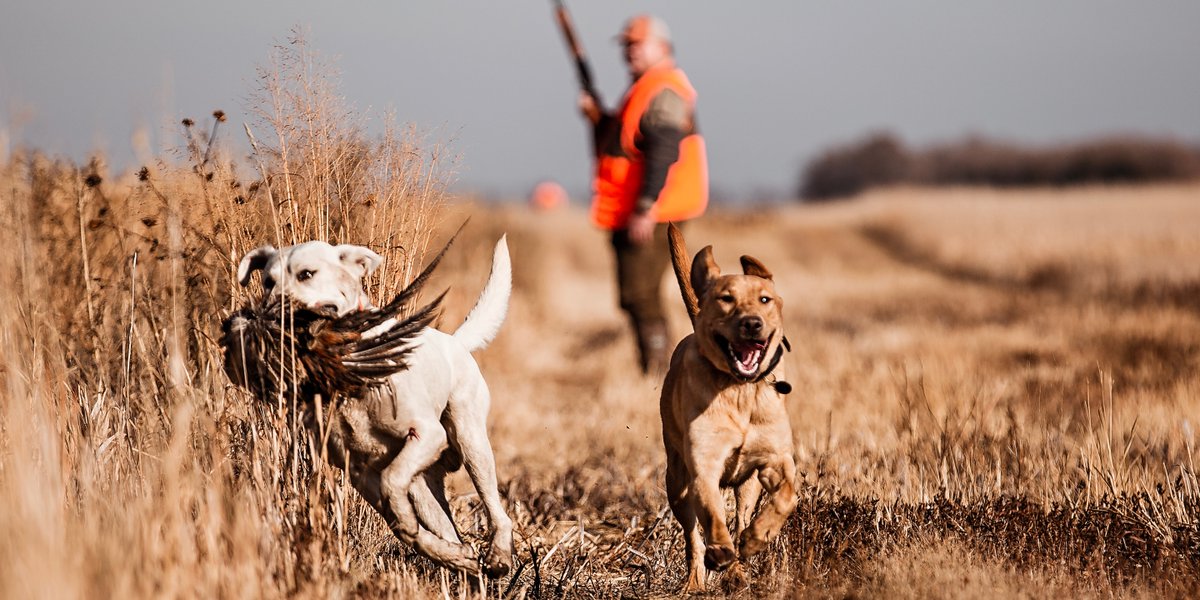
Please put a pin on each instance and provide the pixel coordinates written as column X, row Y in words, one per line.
column 779, row 80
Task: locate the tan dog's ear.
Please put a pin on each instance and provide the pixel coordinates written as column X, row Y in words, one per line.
column 752, row 266
column 704, row 270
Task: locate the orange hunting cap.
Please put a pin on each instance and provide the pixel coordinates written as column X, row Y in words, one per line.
column 644, row 27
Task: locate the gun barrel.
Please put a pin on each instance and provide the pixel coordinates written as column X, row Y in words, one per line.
column 582, row 67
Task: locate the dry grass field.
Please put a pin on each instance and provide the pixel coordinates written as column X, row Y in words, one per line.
column 993, row 393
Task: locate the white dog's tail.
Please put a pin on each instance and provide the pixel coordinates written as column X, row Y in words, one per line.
column 485, row 319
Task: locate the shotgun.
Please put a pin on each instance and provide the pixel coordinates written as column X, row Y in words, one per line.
column 582, row 68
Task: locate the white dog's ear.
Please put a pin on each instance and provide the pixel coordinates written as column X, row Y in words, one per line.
column 752, row 266
column 360, row 257
column 253, row 261
column 704, row 270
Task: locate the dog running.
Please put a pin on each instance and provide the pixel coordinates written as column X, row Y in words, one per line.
column 723, row 415
column 398, row 439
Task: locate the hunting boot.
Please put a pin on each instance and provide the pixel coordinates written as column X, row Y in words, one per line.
column 653, row 353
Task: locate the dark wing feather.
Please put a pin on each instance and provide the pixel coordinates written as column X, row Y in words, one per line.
column 365, row 320
column 384, row 345
column 347, row 362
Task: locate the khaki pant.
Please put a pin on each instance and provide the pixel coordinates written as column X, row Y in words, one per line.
column 640, row 270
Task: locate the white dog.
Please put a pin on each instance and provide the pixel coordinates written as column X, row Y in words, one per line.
column 399, row 441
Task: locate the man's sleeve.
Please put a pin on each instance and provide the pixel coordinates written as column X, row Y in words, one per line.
column 665, row 123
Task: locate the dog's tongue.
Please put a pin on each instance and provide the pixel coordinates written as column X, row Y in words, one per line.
column 746, row 357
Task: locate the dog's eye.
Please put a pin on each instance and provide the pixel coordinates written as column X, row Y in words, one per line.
column 765, row 299
column 305, row 275
column 726, row 298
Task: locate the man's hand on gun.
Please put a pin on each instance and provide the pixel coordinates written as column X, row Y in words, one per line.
column 589, row 108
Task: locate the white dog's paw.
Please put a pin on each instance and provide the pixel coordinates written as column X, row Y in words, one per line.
column 498, row 562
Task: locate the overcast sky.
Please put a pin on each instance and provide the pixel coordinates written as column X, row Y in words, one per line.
column 779, row 80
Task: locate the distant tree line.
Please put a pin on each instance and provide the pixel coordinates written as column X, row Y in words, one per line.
column 882, row 159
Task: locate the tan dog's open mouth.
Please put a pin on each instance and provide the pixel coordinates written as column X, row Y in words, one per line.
column 745, row 356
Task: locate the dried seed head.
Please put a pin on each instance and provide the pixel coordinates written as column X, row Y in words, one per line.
column 219, row 115
column 188, row 122
column 143, row 174
column 92, row 180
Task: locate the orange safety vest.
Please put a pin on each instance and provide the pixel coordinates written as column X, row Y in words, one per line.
column 619, row 178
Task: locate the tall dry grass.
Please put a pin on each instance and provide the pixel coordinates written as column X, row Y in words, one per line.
column 130, row 467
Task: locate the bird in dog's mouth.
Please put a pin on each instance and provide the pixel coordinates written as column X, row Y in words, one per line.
column 745, row 356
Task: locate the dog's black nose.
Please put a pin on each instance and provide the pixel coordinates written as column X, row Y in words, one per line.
column 751, row 326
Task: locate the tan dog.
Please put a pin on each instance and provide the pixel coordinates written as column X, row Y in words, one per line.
column 724, row 422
